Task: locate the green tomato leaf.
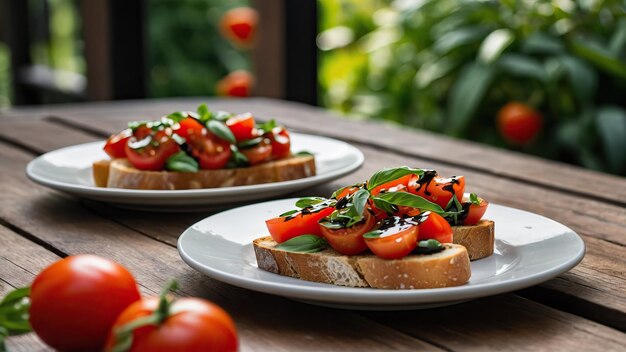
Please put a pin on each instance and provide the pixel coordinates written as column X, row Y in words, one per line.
column 181, row 162
column 522, row 66
column 222, row 131
column 389, row 174
column 601, row 57
column 304, row 244
column 543, row 43
column 582, row 77
column 611, row 124
column 494, row 45
column 14, row 309
column 466, row 95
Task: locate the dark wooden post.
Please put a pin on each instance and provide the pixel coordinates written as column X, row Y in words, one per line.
column 285, row 58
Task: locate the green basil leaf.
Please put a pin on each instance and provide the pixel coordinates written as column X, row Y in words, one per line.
column 176, row 116
column 309, row 201
column 384, row 205
column 287, row 213
column 474, row 199
column 389, row 174
column 14, row 309
column 303, row 153
column 204, row 114
column 133, row 125
column 222, row 131
column 267, row 126
column 373, row 234
column 359, row 200
column 181, row 162
column 409, row 200
column 429, row 246
column 250, row 143
column 239, row 158
column 304, row 244
column 222, row 115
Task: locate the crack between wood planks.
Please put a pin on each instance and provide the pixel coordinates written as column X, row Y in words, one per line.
column 94, row 131
column 29, row 236
column 19, row 145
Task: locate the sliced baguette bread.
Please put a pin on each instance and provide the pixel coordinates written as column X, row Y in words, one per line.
column 450, row 267
column 119, row 173
column 478, row 239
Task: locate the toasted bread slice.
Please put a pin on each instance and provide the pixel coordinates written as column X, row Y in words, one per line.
column 450, row 267
column 121, row 174
column 478, row 239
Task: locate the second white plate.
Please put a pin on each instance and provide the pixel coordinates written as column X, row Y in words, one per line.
column 69, row 170
column 529, row 249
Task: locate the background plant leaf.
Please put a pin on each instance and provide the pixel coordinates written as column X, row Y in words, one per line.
column 466, row 94
column 611, row 124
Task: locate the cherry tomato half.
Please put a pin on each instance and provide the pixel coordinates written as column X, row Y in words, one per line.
column 349, row 241
column 193, row 325
column 434, row 226
column 397, row 240
column 212, row 152
column 115, row 146
column 242, row 126
column 75, row 301
column 436, row 189
column 188, row 127
column 154, row 154
column 281, row 143
column 474, row 212
column 287, row 227
column 259, row 153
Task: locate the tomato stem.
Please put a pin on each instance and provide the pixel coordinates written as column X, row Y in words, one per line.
column 124, row 334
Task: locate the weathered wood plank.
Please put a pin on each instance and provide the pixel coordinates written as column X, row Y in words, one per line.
column 429, row 146
column 265, row 322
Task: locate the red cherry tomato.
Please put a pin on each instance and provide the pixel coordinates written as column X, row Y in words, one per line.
column 242, row 126
column 434, row 227
column 404, row 180
column 235, row 84
column 193, row 325
column 349, row 241
column 75, row 301
column 519, row 123
column 281, row 143
column 395, row 241
column 212, row 152
column 259, row 153
column 188, row 127
column 115, row 146
column 436, row 189
column 474, row 212
column 154, row 154
column 239, row 25
column 287, row 227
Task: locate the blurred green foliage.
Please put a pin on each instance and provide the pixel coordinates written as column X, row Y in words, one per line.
column 450, row 65
column 187, row 53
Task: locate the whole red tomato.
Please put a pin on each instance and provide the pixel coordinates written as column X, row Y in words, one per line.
column 235, row 84
column 75, row 301
column 187, row 324
column 239, row 25
column 519, row 123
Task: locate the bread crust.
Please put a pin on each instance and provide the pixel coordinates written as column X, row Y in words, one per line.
column 479, row 239
column 450, row 267
column 121, row 174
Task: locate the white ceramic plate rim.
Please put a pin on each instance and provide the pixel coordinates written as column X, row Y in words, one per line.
column 194, row 193
column 350, row 295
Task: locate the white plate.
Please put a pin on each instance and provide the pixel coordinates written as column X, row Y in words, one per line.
column 529, row 249
column 69, row 170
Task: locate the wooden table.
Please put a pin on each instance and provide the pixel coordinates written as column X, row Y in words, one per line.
column 584, row 309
